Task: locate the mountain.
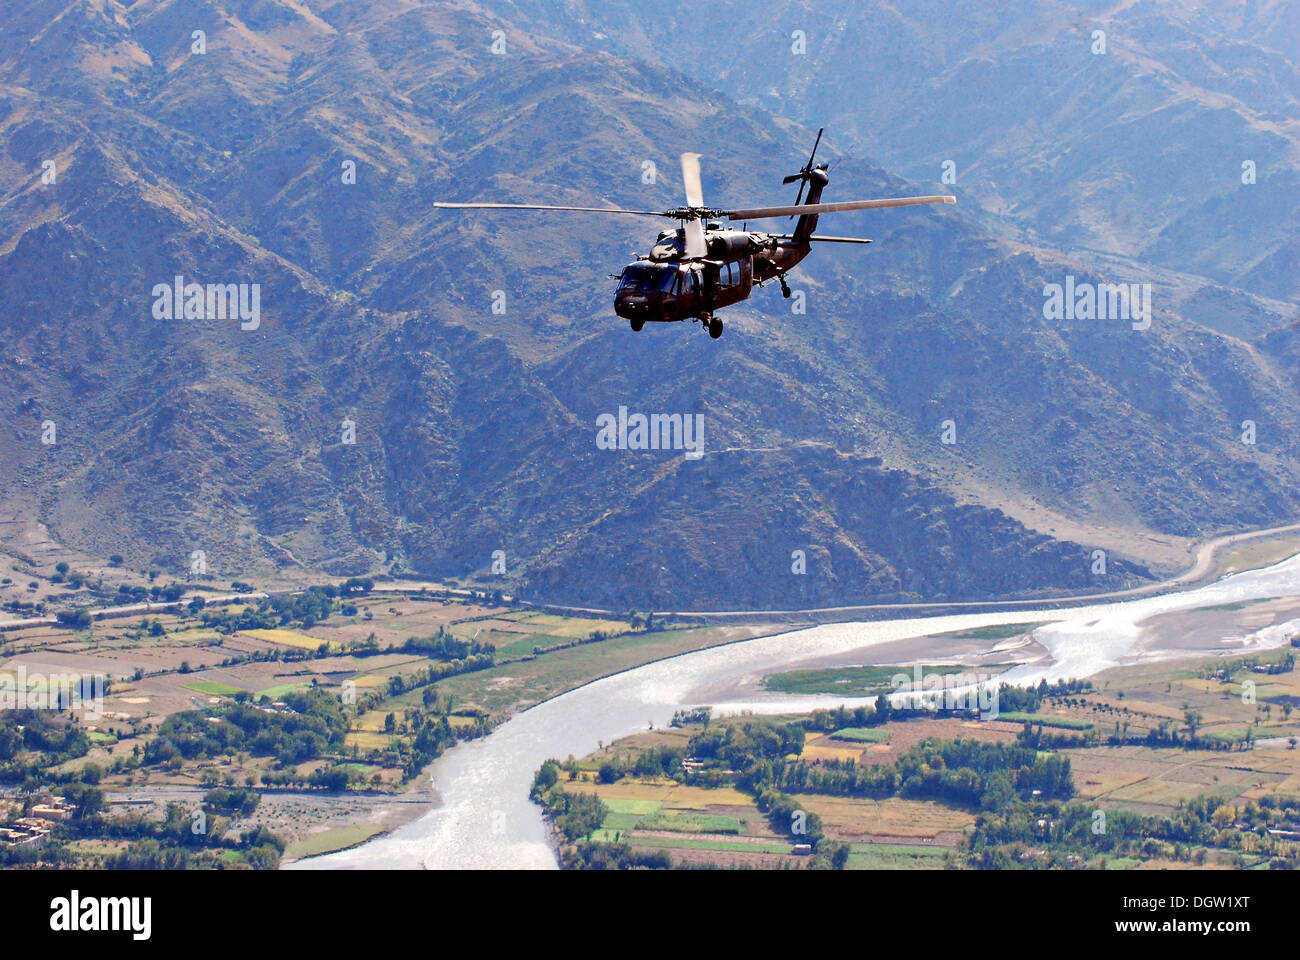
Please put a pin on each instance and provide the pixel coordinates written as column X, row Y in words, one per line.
column 475, row 430
column 1115, row 128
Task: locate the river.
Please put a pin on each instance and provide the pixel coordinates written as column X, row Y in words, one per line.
column 486, row 821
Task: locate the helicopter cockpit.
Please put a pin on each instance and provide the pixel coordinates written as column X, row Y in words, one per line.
column 647, row 278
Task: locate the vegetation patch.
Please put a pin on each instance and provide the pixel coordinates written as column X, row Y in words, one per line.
column 861, row 734
column 690, row 823
column 1044, row 720
column 1000, row 631
column 292, row 638
column 278, row 691
column 851, row 681
column 212, row 688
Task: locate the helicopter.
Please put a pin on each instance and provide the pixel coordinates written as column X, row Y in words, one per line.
column 703, row 266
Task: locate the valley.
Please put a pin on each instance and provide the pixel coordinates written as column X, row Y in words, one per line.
column 474, row 431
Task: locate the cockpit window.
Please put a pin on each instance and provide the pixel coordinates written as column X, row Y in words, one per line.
column 645, row 279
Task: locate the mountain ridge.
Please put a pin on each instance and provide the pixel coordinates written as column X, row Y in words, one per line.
column 475, row 431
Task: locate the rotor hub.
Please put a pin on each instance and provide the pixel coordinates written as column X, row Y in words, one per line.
column 693, row 213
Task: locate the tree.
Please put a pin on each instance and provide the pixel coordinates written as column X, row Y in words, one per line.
column 840, row 858
column 334, row 780
column 884, row 709
column 1223, row 816
column 76, row 619
column 87, row 799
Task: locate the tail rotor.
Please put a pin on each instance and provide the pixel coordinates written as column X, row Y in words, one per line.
column 803, row 175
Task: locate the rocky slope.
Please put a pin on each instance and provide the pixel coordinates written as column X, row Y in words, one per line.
column 475, row 431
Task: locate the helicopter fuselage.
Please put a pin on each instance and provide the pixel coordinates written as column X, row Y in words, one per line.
column 665, row 287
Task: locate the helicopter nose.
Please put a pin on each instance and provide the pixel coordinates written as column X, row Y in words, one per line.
column 630, row 305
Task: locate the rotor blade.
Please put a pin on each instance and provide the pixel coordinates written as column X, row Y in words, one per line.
column 695, row 243
column 542, row 206
column 814, row 150
column 798, row 199
column 762, row 213
column 818, row 239
column 691, row 177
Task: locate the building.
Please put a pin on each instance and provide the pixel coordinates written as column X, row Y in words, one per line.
column 35, row 829
column 58, row 810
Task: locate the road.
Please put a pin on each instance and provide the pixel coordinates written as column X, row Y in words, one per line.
column 1200, row 568
column 131, row 609
column 1202, row 565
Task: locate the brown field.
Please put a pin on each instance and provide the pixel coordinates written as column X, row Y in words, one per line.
column 397, row 618
column 892, row 820
column 905, row 734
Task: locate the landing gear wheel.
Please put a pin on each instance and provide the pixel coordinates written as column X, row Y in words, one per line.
column 715, row 328
column 637, row 324
column 785, row 288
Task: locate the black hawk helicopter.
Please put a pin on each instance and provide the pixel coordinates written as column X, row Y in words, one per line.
column 703, row 266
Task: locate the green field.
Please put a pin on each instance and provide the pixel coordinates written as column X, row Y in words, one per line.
column 628, row 805
column 621, row 821
column 690, row 823
column 1046, row 720
column 857, row 681
column 525, row 645
column 212, row 688
column 889, row 856
column 518, row 684
column 340, row 838
column 861, row 735
column 280, row 689
column 1224, row 736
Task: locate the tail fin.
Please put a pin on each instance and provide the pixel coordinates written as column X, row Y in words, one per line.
column 817, row 180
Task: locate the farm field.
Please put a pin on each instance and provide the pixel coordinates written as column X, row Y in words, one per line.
column 723, row 826
column 1163, row 742
column 391, row 661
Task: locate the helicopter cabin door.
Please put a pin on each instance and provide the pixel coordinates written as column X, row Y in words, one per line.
column 690, row 289
column 734, row 280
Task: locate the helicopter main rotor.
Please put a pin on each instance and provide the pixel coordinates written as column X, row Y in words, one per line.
column 692, row 215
